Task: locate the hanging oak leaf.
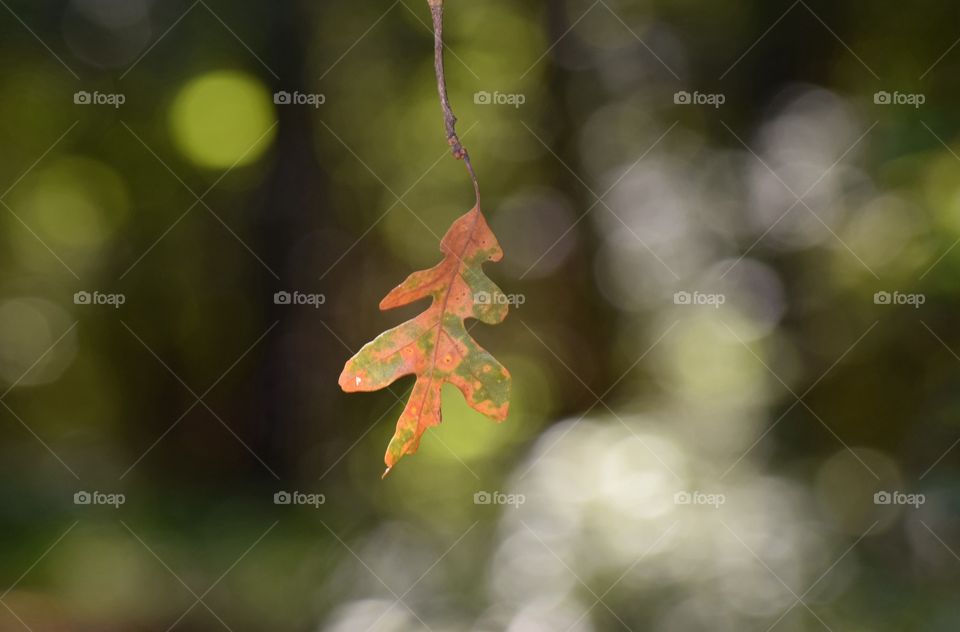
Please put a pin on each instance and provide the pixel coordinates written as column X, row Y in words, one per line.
column 435, row 346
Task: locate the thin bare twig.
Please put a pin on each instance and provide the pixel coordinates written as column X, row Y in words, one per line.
column 450, row 121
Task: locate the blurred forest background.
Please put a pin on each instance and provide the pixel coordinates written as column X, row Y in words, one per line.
column 736, row 370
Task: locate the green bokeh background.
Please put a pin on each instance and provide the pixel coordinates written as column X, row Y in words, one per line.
column 199, row 397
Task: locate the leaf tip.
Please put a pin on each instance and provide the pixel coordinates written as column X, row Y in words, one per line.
column 354, row 379
column 385, row 472
column 346, row 381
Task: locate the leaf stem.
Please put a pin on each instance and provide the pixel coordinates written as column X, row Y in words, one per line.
column 450, row 121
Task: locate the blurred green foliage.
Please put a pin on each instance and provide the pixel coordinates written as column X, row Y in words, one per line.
column 199, row 398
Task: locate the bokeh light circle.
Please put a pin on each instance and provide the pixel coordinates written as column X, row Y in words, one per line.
column 221, row 119
column 37, row 343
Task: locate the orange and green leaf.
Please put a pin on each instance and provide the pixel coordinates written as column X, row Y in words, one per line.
column 435, row 345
